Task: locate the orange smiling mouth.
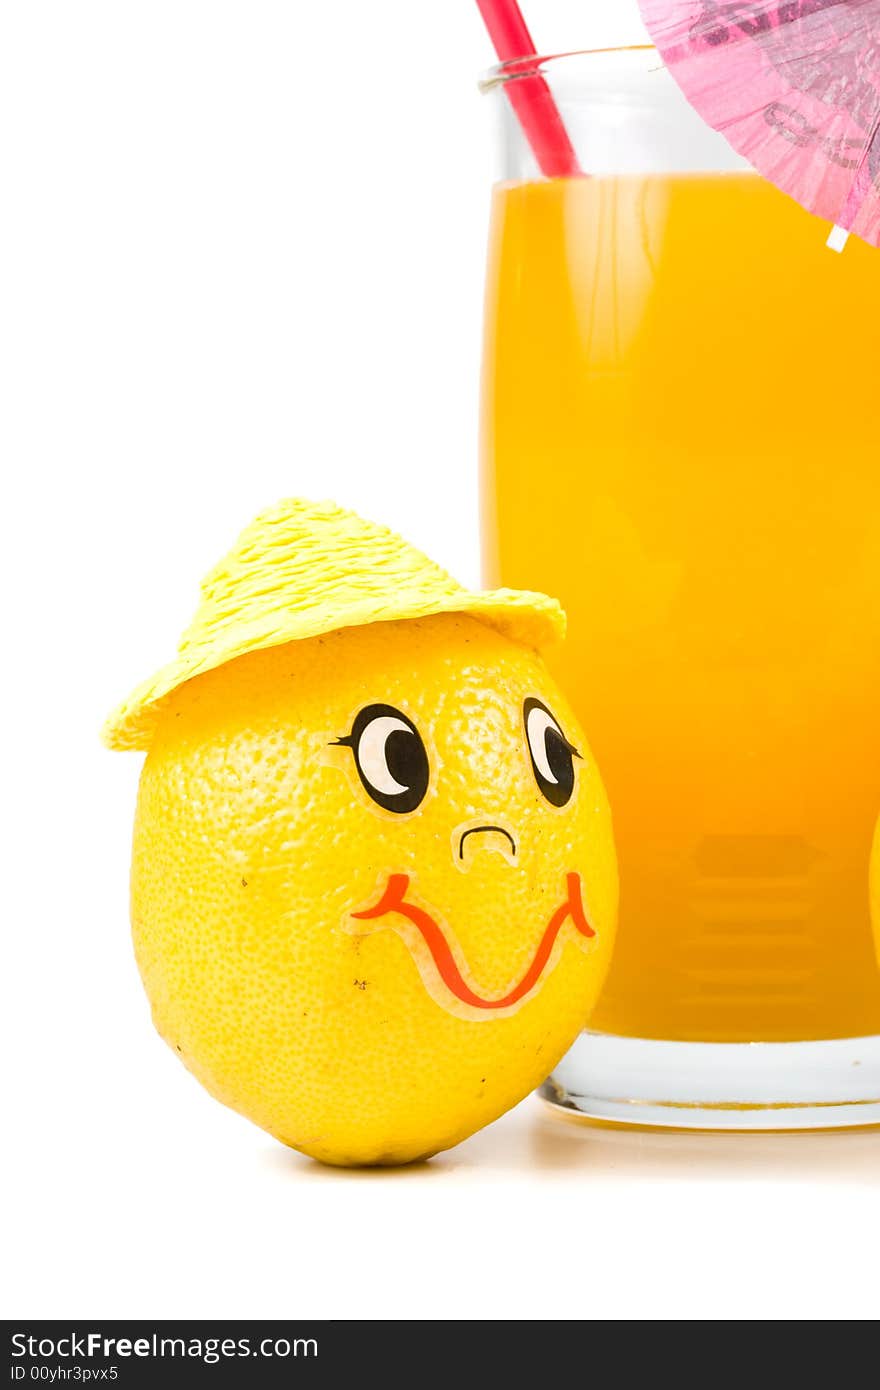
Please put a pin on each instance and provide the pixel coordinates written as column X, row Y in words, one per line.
column 393, row 900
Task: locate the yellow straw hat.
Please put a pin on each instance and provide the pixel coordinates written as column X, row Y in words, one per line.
column 305, row 568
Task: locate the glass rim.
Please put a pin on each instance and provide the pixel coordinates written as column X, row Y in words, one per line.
column 531, row 65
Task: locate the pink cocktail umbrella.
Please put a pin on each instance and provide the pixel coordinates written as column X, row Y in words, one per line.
column 794, row 86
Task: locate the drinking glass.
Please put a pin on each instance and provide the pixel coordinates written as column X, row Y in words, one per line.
column 681, row 440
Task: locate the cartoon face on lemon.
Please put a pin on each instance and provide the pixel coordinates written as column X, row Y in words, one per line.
column 374, row 887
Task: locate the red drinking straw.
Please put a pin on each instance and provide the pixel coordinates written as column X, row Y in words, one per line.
column 529, row 95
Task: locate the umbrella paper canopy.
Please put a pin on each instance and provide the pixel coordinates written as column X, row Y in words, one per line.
column 794, row 85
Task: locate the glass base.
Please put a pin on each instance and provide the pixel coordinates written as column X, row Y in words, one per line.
column 833, row 1084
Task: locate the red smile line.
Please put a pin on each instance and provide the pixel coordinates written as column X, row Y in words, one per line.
column 394, row 900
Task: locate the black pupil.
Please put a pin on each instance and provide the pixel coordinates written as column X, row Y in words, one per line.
column 558, row 756
column 405, row 757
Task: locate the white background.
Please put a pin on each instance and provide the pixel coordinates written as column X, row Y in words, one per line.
column 241, row 253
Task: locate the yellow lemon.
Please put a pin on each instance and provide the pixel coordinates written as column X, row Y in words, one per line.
column 374, row 886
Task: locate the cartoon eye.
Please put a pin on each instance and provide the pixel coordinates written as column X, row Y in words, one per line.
column 551, row 753
column 390, row 757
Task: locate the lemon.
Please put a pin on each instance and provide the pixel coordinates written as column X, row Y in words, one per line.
column 374, row 889
column 374, row 886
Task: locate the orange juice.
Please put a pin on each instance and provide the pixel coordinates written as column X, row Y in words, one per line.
column 681, row 439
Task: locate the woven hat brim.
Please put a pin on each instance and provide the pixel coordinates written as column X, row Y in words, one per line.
column 533, row 619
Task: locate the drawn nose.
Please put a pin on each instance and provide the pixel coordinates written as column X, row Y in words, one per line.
column 496, row 837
